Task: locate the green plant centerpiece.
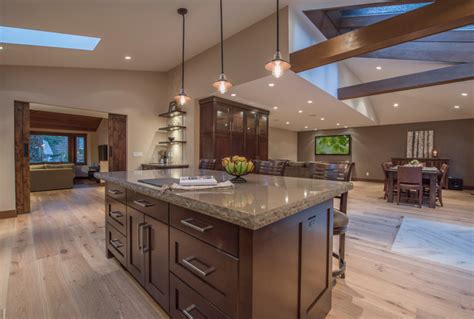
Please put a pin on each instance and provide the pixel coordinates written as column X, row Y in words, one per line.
column 237, row 166
column 414, row 163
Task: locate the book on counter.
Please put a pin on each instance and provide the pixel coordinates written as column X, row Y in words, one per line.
column 197, row 181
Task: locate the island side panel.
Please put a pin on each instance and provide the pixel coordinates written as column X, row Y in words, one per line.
column 285, row 268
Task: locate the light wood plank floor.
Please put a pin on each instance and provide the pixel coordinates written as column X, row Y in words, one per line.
column 52, row 263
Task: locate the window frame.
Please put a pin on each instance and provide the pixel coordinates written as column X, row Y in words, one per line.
column 72, row 146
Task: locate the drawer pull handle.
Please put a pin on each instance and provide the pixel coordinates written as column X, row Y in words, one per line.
column 190, row 266
column 188, row 222
column 114, row 192
column 143, row 203
column 116, row 215
column 116, row 243
column 187, row 311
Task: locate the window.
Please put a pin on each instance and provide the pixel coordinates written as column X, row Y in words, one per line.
column 58, row 148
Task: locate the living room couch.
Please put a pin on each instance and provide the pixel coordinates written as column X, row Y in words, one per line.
column 45, row 177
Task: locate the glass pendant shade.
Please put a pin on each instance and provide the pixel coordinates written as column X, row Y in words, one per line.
column 222, row 85
column 277, row 66
column 182, row 98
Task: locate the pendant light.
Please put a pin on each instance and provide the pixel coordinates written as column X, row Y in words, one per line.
column 222, row 84
column 182, row 98
column 277, row 66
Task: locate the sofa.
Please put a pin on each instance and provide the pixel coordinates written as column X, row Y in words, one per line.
column 45, row 177
column 341, row 171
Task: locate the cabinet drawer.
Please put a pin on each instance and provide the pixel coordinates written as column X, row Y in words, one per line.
column 116, row 214
column 208, row 270
column 116, row 243
column 116, row 192
column 216, row 232
column 187, row 304
column 148, row 205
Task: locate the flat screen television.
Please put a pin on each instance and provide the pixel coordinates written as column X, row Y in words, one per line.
column 332, row 145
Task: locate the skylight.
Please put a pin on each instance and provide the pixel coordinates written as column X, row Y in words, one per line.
column 21, row 36
column 383, row 10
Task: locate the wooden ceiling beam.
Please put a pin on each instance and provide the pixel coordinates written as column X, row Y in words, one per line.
column 428, row 20
column 457, row 73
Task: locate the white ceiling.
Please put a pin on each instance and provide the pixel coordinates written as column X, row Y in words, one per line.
column 147, row 30
column 290, row 94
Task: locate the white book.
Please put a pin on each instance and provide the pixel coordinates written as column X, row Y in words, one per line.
column 197, row 181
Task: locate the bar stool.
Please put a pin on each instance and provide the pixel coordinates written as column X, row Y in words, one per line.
column 340, row 227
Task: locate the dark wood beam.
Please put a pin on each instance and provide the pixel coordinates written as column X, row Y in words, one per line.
column 427, row 51
column 324, row 23
column 428, row 20
column 457, row 73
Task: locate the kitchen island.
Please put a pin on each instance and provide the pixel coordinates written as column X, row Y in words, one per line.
column 259, row 250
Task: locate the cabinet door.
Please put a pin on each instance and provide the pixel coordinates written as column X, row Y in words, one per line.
column 221, row 148
column 263, row 125
column 222, row 119
column 237, row 132
column 251, row 135
column 156, row 249
column 262, row 150
column 135, row 258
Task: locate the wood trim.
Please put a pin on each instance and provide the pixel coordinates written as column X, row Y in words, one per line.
column 232, row 103
column 22, row 156
column 117, row 142
column 451, row 74
column 64, row 121
column 428, row 20
column 8, row 214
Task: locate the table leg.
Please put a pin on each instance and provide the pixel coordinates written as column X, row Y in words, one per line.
column 390, row 187
column 433, row 181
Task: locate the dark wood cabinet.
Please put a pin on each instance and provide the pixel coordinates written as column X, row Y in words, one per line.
column 135, row 258
column 229, row 128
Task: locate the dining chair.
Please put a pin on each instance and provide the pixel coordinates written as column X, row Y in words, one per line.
column 207, row 163
column 272, row 167
column 408, row 179
column 385, row 167
column 441, row 181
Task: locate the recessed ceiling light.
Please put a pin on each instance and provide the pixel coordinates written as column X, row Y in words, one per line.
column 275, row 107
column 338, row 124
column 322, row 119
column 300, row 111
column 345, row 126
column 287, row 123
column 305, row 127
column 464, row 94
column 271, row 84
column 47, row 39
column 309, row 101
column 315, row 129
column 233, row 94
column 128, row 57
column 456, row 106
column 378, row 67
column 1, row 48
column 395, row 105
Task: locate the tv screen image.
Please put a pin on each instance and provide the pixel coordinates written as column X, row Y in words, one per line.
column 333, row 145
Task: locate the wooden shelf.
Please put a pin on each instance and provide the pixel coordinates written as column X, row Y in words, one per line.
column 172, row 128
column 170, row 143
column 172, row 114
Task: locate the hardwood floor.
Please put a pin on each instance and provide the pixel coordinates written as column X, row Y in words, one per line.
column 53, row 265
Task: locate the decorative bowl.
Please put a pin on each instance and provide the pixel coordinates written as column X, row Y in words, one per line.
column 237, row 166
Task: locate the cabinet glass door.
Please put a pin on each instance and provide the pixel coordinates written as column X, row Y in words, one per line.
column 222, row 118
column 262, row 125
column 237, row 121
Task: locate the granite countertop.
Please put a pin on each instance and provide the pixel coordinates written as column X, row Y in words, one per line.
column 170, row 165
column 263, row 200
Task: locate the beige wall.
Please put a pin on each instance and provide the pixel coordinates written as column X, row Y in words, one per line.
column 139, row 95
column 282, row 144
column 375, row 144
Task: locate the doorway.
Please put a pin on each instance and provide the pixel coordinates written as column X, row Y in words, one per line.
column 69, row 144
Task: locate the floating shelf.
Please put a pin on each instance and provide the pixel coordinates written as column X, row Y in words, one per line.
column 172, row 128
column 170, row 143
column 172, row 114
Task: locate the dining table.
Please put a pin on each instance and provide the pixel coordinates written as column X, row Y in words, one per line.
column 429, row 173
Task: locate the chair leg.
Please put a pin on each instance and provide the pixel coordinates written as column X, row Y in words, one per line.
column 398, row 196
column 342, row 253
column 440, row 197
column 420, row 197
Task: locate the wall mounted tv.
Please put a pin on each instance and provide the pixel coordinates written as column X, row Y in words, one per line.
column 332, row 145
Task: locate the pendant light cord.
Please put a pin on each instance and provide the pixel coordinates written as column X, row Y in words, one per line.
column 278, row 26
column 222, row 40
column 182, row 55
